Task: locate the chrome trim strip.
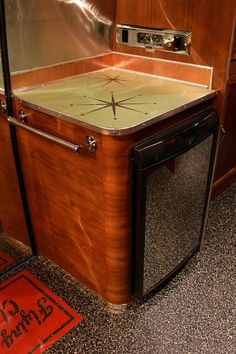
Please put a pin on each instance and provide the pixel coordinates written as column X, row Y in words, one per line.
column 163, row 60
column 64, row 143
column 123, row 131
column 61, row 63
column 117, row 309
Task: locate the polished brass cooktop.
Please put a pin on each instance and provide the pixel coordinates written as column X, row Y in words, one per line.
column 114, row 101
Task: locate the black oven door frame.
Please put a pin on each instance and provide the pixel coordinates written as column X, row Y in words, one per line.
column 151, row 155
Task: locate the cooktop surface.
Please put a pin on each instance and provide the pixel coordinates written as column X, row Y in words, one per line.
column 114, row 101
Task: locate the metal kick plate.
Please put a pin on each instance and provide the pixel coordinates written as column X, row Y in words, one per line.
column 154, row 39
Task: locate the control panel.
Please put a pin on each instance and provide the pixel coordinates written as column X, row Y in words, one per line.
column 154, row 39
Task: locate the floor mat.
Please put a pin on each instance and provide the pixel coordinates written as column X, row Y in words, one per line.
column 5, row 260
column 32, row 317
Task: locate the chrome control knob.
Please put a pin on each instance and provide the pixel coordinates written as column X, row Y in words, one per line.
column 3, row 106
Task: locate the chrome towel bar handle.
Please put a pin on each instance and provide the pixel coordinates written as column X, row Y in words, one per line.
column 90, row 143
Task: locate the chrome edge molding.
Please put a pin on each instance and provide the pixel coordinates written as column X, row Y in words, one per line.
column 117, row 132
column 117, row 309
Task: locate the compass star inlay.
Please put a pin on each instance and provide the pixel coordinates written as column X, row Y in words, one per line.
column 108, row 79
column 113, row 104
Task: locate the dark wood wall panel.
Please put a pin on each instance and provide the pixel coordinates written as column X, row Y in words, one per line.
column 227, row 152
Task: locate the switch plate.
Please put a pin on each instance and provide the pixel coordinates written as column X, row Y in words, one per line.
column 154, row 39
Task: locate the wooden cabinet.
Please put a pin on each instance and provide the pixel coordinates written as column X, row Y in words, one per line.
column 11, row 211
column 80, row 203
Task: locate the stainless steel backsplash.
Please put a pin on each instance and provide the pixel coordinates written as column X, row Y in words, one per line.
column 47, row 32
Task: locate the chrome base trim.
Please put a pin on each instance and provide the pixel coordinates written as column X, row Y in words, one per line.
column 117, row 309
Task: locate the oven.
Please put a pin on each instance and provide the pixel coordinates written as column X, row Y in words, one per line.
column 171, row 175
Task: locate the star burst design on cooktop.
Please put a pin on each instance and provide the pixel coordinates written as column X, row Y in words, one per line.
column 108, row 79
column 113, row 104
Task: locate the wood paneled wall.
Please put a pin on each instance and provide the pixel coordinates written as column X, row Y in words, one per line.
column 211, row 23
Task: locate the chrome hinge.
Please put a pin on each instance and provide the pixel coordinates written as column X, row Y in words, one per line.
column 90, row 144
column 22, row 116
column 3, row 106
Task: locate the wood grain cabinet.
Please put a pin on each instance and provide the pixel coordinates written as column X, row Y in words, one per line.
column 11, row 211
column 80, row 202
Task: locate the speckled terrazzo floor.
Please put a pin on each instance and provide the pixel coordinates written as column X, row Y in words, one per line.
column 194, row 314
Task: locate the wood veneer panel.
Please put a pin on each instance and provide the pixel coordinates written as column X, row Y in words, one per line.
column 177, row 71
column 210, row 22
column 11, row 210
column 60, row 71
column 76, row 206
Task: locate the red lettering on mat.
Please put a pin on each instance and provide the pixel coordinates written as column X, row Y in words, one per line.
column 32, row 317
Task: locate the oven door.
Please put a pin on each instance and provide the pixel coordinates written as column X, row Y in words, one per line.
column 171, row 182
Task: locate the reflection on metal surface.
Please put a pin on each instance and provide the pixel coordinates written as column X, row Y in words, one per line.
column 117, row 309
column 89, row 10
column 154, row 38
column 48, row 32
column 107, row 80
column 177, row 196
